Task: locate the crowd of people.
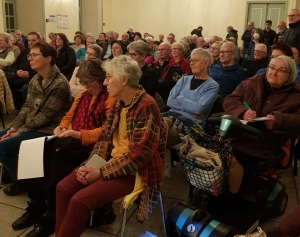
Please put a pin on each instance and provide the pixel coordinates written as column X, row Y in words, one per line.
column 125, row 100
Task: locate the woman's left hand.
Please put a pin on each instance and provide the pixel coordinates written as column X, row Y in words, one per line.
column 270, row 123
column 70, row 133
column 92, row 174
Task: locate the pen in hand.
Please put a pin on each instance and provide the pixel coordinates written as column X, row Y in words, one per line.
column 249, row 114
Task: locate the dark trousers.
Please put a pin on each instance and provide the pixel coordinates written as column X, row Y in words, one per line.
column 75, row 201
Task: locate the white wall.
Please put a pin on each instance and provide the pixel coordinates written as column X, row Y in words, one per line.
column 92, row 17
column 177, row 16
column 63, row 7
column 30, row 20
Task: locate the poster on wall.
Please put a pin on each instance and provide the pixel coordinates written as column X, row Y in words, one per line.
column 62, row 21
column 52, row 18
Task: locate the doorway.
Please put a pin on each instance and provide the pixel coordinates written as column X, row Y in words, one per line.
column 260, row 12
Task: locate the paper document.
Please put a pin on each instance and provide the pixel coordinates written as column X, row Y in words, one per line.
column 258, row 119
column 96, row 162
column 31, row 158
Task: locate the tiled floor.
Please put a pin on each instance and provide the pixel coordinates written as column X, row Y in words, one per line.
column 175, row 189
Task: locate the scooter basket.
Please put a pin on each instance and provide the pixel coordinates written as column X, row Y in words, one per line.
column 205, row 176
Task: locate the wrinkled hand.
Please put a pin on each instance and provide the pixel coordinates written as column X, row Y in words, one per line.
column 90, row 174
column 58, row 130
column 270, row 123
column 198, row 116
column 249, row 114
column 80, row 175
column 70, row 133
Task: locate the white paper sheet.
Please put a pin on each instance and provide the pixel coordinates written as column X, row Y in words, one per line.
column 31, row 162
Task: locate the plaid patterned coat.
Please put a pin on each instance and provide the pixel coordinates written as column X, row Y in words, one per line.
column 146, row 133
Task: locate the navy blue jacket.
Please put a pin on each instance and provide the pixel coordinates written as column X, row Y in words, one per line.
column 228, row 78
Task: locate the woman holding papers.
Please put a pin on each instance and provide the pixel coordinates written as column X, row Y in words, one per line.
column 47, row 101
column 133, row 142
column 77, row 134
column 274, row 95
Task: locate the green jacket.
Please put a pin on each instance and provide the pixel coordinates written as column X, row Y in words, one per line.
column 45, row 105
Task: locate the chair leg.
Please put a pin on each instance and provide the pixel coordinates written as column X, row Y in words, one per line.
column 91, row 219
column 295, row 166
column 162, row 213
column 124, row 223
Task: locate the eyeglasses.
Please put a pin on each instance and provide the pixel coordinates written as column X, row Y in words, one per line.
column 291, row 15
column 194, row 60
column 213, row 48
column 32, row 55
column 133, row 54
column 259, row 51
column 88, row 84
column 163, row 49
column 278, row 70
column 225, row 52
column 113, row 48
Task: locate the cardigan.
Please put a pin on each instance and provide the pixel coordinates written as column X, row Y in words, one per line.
column 45, row 105
column 185, row 101
column 146, row 132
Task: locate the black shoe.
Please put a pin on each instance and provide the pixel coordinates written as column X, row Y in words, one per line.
column 31, row 216
column 12, row 189
column 44, row 227
column 103, row 215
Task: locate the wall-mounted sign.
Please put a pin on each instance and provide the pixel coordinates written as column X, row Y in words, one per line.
column 52, row 18
column 62, row 21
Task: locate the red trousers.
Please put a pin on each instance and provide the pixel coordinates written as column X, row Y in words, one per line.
column 75, row 201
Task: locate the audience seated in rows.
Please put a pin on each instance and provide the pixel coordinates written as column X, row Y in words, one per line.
column 247, row 36
column 79, row 47
column 7, row 55
column 191, row 99
column 177, row 58
column 258, row 37
column 232, row 33
column 16, row 43
column 21, row 38
column 214, row 50
column 77, row 134
column 101, row 39
column 93, row 51
column 152, row 48
column 66, row 57
column 228, row 74
column 282, row 28
column 167, row 72
column 117, row 49
column 49, row 98
column 106, row 45
column 138, row 51
column 135, row 154
column 261, row 60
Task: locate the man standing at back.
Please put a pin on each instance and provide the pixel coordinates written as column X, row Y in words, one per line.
column 168, row 73
column 269, row 33
column 247, row 36
column 228, row 73
column 292, row 36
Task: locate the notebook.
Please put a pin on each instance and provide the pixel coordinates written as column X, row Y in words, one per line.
column 96, row 162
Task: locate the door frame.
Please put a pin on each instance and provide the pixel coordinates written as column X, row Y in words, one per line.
column 285, row 2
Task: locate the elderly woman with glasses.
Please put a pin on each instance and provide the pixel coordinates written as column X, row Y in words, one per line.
column 177, row 52
column 191, row 99
column 77, row 134
column 133, row 143
column 47, row 101
column 93, row 51
column 138, row 50
column 274, row 95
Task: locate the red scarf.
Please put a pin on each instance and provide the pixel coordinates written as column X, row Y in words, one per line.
column 89, row 117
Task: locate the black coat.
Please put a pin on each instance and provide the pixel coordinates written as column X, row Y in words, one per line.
column 66, row 61
column 148, row 80
column 292, row 36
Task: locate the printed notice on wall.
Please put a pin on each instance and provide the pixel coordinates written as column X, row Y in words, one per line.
column 62, row 21
column 52, row 18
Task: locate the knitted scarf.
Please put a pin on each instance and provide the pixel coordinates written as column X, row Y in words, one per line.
column 86, row 117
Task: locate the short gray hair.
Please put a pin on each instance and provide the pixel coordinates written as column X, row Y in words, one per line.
column 204, row 55
column 139, row 46
column 92, row 39
column 124, row 66
column 149, row 38
column 5, row 37
column 262, row 45
column 290, row 67
column 234, row 48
